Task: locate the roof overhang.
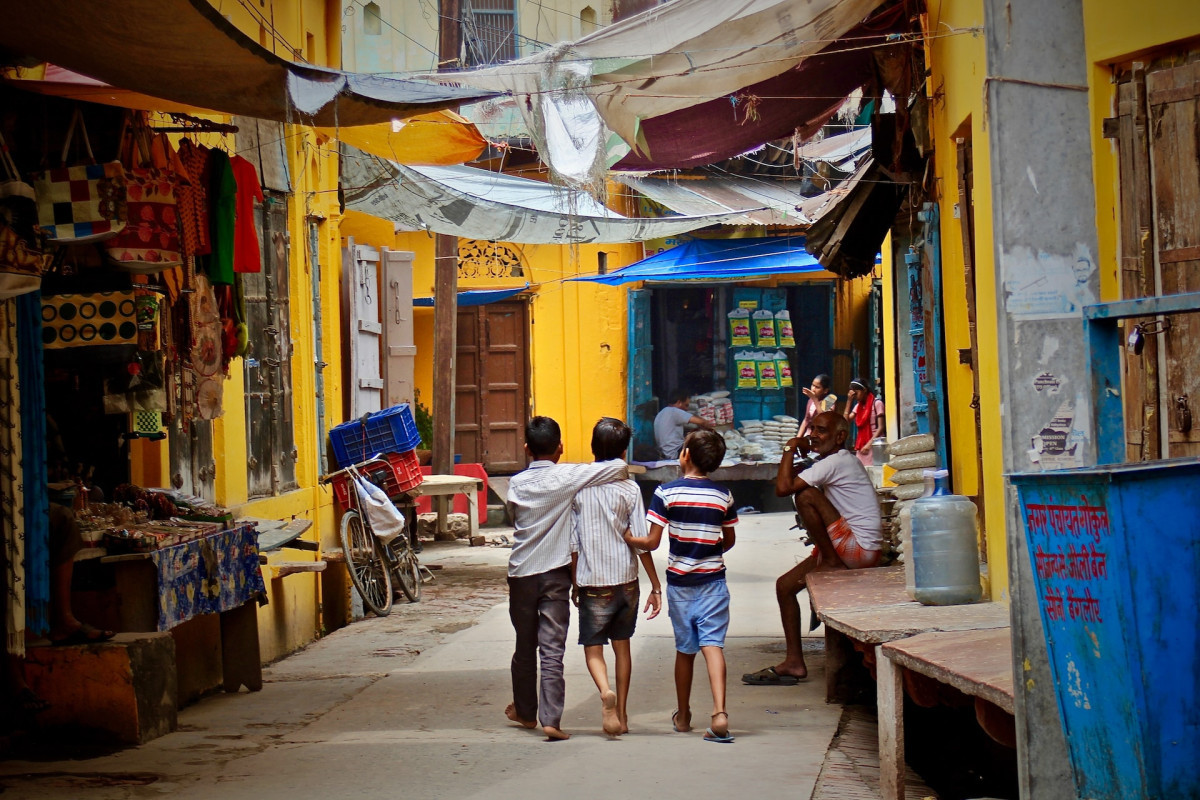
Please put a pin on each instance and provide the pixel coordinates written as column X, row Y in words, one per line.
column 186, row 52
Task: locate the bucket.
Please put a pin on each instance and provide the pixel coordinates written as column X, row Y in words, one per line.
column 1115, row 552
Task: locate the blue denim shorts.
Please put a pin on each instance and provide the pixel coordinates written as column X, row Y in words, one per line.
column 607, row 612
column 699, row 615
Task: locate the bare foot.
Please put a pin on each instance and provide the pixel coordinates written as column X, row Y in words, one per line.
column 555, row 734
column 681, row 721
column 511, row 713
column 612, row 723
column 720, row 724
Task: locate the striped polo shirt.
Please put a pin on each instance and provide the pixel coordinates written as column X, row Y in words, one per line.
column 693, row 510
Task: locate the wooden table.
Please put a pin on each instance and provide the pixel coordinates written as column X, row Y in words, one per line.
column 442, row 487
column 141, row 606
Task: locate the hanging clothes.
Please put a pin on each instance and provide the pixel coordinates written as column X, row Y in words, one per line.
column 193, row 199
column 222, row 218
column 31, row 375
column 247, row 255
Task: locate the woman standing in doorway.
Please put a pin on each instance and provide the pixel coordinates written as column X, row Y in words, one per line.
column 865, row 410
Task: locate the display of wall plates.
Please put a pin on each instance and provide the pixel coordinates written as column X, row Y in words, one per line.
column 84, row 320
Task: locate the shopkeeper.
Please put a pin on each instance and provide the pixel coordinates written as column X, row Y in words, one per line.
column 670, row 422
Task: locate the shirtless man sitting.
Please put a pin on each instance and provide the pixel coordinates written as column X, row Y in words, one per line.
column 837, row 504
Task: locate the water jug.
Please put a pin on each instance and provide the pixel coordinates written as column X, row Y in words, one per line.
column 879, row 452
column 945, row 550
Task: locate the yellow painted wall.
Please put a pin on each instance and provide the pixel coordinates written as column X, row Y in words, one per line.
column 292, row 618
column 1115, row 32
column 956, row 58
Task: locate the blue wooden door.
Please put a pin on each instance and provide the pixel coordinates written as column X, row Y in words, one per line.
column 928, row 354
column 642, row 404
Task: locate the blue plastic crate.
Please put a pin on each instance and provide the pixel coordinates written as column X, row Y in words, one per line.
column 392, row 430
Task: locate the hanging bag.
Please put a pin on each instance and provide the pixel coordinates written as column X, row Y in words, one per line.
column 22, row 260
column 83, row 203
column 150, row 241
column 385, row 519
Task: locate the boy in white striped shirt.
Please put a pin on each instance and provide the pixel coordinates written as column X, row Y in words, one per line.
column 604, row 573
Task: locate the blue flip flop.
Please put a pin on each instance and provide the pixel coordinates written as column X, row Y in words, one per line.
column 712, row 736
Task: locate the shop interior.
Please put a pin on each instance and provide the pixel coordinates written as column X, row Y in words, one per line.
column 691, row 338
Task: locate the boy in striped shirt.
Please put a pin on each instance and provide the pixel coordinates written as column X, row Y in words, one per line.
column 604, row 573
column 699, row 516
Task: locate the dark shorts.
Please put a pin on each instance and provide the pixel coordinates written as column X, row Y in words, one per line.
column 607, row 612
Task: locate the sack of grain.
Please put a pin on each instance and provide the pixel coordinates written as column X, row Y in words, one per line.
column 909, row 491
column 917, row 443
column 923, row 460
column 901, row 477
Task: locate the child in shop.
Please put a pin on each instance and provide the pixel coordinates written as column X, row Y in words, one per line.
column 699, row 516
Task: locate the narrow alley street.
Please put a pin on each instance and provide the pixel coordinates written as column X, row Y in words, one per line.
column 412, row 705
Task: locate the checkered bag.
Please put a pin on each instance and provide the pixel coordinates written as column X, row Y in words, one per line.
column 82, row 203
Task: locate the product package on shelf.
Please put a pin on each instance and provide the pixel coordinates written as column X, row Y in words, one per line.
column 767, row 375
column 783, row 368
column 764, row 329
column 739, row 328
column 783, row 327
column 747, row 369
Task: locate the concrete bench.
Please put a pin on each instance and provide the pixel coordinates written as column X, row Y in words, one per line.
column 966, row 647
column 126, row 686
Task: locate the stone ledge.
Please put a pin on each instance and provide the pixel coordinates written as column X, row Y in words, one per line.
column 126, row 686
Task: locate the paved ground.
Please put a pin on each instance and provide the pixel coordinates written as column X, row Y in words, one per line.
column 413, row 704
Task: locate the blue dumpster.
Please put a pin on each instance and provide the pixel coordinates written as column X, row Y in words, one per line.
column 1116, row 562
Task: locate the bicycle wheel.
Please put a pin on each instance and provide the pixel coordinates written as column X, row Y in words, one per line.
column 368, row 572
column 406, row 568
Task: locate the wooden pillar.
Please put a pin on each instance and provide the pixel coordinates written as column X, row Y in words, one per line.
column 445, row 299
column 891, row 726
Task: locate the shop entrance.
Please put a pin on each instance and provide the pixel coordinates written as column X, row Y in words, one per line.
column 492, row 386
column 686, row 345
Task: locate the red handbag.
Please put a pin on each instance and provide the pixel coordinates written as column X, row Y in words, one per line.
column 151, row 240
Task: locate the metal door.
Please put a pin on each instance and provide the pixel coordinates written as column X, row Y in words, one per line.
column 400, row 353
column 314, row 255
column 492, row 385
column 642, row 405
column 360, row 286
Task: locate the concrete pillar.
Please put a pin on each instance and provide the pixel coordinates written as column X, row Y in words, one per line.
column 1045, row 250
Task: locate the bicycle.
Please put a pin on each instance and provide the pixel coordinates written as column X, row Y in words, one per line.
column 371, row 562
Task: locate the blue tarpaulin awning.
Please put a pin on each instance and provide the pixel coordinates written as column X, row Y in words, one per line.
column 717, row 260
column 475, row 297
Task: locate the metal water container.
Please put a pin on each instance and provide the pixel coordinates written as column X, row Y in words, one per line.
column 945, row 550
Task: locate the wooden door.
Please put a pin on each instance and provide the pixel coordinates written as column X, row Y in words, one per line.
column 399, row 350
column 1158, row 135
column 360, row 296
column 492, row 385
column 1174, row 98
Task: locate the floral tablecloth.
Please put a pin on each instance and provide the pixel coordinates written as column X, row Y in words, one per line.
column 217, row 573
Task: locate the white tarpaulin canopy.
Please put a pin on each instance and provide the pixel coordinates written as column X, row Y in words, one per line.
column 670, row 57
column 477, row 204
